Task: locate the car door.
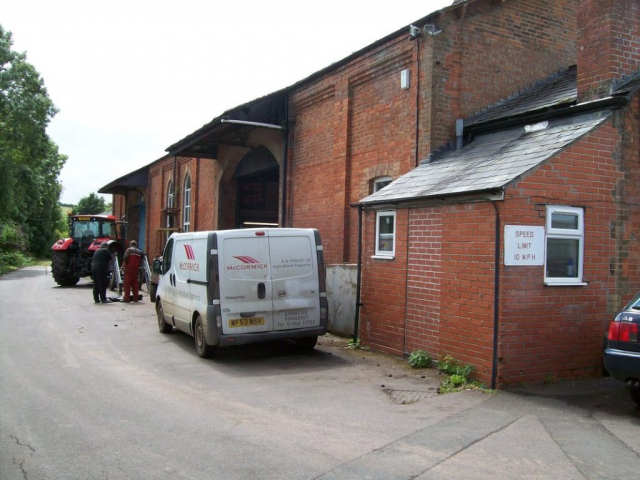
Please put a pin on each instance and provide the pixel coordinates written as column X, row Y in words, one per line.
column 166, row 290
column 183, row 263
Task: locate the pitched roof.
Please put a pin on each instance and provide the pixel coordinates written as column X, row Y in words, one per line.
column 489, row 163
column 556, row 91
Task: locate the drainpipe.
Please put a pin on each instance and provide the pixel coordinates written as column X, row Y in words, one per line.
column 496, row 298
column 283, row 210
column 358, row 276
column 417, row 152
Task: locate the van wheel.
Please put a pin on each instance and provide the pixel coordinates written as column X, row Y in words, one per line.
column 307, row 343
column 635, row 395
column 153, row 289
column 204, row 350
column 163, row 326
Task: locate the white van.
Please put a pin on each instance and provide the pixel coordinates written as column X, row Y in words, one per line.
column 232, row 287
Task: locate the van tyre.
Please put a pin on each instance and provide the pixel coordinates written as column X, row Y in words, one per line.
column 635, row 395
column 204, row 350
column 153, row 289
column 307, row 343
column 163, row 326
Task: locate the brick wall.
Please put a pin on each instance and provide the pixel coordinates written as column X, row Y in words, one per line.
column 450, row 294
column 355, row 123
column 545, row 332
column 608, row 44
column 489, row 50
column 384, row 289
column 555, row 331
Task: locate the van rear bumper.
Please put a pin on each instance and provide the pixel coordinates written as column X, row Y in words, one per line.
column 244, row 338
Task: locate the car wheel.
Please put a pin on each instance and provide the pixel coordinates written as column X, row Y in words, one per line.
column 307, row 343
column 163, row 326
column 635, row 395
column 204, row 350
column 153, row 289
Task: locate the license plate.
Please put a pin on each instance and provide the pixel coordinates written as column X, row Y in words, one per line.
column 246, row 322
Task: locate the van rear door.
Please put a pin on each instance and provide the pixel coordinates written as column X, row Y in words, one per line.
column 294, row 279
column 245, row 282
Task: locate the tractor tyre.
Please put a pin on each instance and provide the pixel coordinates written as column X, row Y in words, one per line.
column 60, row 271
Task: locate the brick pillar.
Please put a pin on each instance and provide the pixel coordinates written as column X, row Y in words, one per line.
column 608, row 45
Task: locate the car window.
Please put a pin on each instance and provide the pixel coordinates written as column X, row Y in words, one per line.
column 634, row 304
column 166, row 257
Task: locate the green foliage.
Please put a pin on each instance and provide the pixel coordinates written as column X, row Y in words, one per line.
column 354, row 344
column 11, row 237
column 92, row 204
column 30, row 163
column 451, row 366
column 10, row 261
column 12, row 246
column 419, row 359
column 458, row 375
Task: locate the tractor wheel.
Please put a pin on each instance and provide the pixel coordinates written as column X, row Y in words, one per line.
column 60, row 271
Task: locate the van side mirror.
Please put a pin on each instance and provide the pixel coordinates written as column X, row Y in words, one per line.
column 157, row 266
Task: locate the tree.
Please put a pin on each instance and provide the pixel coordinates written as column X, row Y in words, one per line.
column 29, row 161
column 90, row 205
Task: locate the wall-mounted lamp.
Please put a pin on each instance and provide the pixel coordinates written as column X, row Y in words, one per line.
column 414, row 32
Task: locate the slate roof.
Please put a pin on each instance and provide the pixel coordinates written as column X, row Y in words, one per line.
column 556, row 91
column 628, row 86
column 489, row 163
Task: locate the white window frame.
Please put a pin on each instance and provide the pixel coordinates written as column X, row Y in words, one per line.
column 379, row 181
column 385, row 254
column 563, row 233
column 186, row 216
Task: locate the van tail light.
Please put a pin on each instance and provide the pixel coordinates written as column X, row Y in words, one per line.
column 323, row 314
column 623, row 331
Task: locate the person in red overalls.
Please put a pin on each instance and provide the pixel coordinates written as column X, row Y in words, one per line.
column 131, row 264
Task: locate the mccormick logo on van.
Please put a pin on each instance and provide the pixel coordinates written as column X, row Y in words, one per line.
column 192, row 266
column 189, row 251
column 248, row 263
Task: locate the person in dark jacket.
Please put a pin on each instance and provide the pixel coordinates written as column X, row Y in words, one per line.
column 100, row 272
column 131, row 263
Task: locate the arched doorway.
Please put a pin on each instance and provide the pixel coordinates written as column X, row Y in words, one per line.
column 257, row 180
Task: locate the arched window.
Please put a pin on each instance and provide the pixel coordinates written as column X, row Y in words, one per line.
column 379, row 183
column 171, row 203
column 186, row 216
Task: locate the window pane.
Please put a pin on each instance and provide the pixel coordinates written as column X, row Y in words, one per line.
column 566, row 221
column 563, row 257
column 385, row 233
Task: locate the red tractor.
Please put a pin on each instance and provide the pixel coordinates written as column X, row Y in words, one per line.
column 72, row 256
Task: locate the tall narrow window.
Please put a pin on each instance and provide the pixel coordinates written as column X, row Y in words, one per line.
column 386, row 234
column 186, row 215
column 171, row 203
column 565, row 245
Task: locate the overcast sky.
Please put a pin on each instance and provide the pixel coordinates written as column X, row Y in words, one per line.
column 131, row 77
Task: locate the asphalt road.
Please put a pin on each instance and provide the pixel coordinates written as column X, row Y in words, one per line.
column 96, row 392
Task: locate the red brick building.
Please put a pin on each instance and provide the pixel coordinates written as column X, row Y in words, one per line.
column 513, row 252
column 301, row 157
